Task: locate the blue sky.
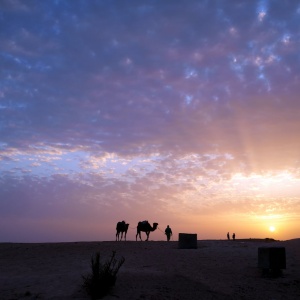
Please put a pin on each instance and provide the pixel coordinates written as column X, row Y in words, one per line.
column 179, row 112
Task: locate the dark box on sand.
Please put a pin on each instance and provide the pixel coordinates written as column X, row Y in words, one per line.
column 271, row 258
column 187, row 241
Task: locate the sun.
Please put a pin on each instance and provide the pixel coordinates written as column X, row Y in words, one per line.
column 272, row 228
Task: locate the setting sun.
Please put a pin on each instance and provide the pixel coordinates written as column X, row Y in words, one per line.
column 153, row 124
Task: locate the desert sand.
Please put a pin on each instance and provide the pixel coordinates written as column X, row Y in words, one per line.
column 217, row 269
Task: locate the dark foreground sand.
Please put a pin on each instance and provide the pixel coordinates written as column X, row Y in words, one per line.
column 152, row 270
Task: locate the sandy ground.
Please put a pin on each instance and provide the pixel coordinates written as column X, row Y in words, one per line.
column 152, row 270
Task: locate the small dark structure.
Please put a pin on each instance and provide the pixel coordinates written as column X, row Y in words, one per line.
column 271, row 260
column 187, row 241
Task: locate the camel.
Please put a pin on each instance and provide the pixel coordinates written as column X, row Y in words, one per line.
column 122, row 227
column 146, row 227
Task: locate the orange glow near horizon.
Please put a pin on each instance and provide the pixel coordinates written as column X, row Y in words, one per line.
column 216, row 225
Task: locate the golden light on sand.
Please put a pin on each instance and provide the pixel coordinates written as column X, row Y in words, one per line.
column 272, row 228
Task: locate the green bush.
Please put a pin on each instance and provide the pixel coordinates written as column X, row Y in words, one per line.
column 103, row 276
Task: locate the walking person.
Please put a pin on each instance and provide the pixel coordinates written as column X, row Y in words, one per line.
column 168, row 232
column 233, row 236
column 228, row 236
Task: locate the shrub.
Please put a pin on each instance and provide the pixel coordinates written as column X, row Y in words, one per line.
column 103, row 276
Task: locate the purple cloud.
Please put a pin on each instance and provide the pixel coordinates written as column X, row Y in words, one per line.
column 111, row 107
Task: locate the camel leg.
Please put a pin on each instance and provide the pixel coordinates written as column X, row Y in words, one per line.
column 138, row 234
column 117, row 236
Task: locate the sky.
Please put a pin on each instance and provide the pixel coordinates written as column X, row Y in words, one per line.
column 184, row 113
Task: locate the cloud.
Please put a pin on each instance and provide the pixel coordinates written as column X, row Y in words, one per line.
column 105, row 110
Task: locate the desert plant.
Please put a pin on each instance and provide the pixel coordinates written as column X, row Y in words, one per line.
column 103, row 276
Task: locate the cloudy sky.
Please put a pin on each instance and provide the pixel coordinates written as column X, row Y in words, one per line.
column 184, row 113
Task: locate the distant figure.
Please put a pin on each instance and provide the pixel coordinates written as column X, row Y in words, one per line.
column 168, row 232
column 122, row 228
column 233, row 236
column 228, row 236
column 145, row 227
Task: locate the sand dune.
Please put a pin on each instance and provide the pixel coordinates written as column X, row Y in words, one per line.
column 152, row 270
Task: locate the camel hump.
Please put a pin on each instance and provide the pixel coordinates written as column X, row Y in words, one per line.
column 121, row 224
column 143, row 223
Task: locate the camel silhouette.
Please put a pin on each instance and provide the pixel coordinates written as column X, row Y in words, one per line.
column 122, row 227
column 146, row 227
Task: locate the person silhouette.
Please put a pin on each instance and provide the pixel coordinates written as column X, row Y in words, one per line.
column 168, row 232
column 233, row 236
column 228, row 236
